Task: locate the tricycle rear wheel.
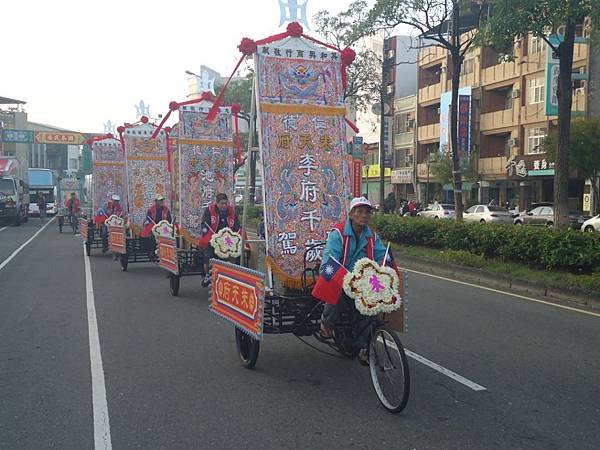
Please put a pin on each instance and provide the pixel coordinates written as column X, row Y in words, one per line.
column 248, row 348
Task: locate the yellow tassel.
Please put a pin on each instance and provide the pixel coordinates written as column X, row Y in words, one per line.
column 286, row 280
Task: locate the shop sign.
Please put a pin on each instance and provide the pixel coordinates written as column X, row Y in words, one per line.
column 524, row 166
column 374, row 171
column 17, row 136
column 587, row 202
column 403, row 175
column 48, row 137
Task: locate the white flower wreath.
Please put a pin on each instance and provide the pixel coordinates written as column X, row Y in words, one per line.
column 163, row 228
column 227, row 243
column 114, row 221
column 375, row 289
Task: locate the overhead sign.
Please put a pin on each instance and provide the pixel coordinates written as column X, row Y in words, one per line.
column 52, row 137
column 402, row 176
column 532, row 165
column 17, row 136
column 374, row 171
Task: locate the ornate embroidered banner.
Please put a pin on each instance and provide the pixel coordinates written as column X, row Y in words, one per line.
column 147, row 171
column 303, row 150
column 206, row 163
column 108, row 173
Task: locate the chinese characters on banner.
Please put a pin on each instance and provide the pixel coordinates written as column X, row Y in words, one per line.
column 206, row 163
column 108, row 173
column 303, row 151
column 147, row 171
column 464, row 129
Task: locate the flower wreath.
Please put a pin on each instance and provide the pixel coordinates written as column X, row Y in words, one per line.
column 163, row 228
column 227, row 243
column 115, row 221
column 374, row 288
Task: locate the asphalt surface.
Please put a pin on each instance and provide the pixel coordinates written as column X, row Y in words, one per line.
column 173, row 380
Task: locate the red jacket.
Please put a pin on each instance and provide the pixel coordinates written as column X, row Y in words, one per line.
column 77, row 205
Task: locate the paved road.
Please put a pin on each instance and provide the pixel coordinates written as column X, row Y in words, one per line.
column 173, row 380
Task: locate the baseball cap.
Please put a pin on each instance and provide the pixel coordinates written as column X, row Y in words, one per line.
column 116, row 198
column 159, row 197
column 360, row 201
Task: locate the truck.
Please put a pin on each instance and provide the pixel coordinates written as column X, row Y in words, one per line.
column 14, row 191
column 42, row 181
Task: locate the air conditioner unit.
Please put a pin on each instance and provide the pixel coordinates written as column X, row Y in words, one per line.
column 513, row 142
column 516, row 93
column 410, row 124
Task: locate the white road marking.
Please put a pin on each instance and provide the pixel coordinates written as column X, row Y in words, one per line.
column 100, row 406
column 456, row 377
column 3, row 228
column 16, row 252
column 522, row 297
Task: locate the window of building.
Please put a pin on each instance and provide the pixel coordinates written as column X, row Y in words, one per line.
column 508, row 99
column 468, row 66
column 535, row 45
column 73, row 164
column 536, row 90
column 535, row 137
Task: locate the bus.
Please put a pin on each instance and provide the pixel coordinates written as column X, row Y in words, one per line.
column 42, row 181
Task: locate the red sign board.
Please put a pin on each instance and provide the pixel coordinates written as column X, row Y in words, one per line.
column 356, row 177
column 83, row 229
column 167, row 254
column 237, row 295
column 116, row 239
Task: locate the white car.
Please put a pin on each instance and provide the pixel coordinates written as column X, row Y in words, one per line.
column 488, row 214
column 591, row 225
column 438, row 211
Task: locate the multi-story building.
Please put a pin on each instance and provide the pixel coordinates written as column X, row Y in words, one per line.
column 403, row 173
column 508, row 121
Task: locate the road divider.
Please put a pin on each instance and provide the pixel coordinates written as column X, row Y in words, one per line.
column 102, row 439
column 16, row 252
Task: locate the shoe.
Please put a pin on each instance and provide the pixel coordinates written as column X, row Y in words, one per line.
column 325, row 331
column 206, row 281
column 363, row 357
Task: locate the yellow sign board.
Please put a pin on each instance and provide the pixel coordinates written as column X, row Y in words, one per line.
column 50, row 137
column 374, row 171
column 587, row 202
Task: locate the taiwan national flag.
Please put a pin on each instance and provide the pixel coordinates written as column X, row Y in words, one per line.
column 329, row 285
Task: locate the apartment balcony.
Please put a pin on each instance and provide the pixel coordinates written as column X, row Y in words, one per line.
column 492, row 167
column 579, row 102
column 499, row 73
column 533, row 113
column 580, row 52
column 430, row 93
column 429, row 133
column 499, row 119
column 422, row 171
column 471, row 79
column 404, row 139
column 430, row 55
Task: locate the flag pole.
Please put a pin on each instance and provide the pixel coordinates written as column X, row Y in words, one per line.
column 387, row 250
column 341, row 265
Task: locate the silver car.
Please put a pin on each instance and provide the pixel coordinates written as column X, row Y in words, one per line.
column 591, row 225
column 438, row 211
column 488, row 214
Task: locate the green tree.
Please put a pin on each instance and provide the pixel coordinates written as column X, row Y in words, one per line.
column 363, row 84
column 450, row 24
column 555, row 22
column 584, row 152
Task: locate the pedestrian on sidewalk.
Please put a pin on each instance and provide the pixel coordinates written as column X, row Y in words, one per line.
column 42, row 206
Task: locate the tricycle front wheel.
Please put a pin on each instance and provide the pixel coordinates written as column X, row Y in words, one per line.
column 248, row 348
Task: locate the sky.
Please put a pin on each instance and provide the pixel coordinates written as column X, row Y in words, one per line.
column 80, row 63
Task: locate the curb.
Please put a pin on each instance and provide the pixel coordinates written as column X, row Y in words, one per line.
column 559, row 295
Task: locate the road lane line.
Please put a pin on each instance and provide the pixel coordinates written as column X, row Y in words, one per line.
column 16, row 252
column 456, row 377
column 3, row 228
column 100, row 406
column 522, row 297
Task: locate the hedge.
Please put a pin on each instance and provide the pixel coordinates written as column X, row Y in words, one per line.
column 535, row 246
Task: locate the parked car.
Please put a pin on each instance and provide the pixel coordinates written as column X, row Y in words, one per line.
column 544, row 216
column 488, row 214
column 591, row 225
column 438, row 211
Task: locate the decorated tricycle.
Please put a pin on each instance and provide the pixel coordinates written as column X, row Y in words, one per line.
column 327, row 274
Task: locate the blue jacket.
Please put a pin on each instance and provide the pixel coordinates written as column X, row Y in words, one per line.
column 356, row 252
